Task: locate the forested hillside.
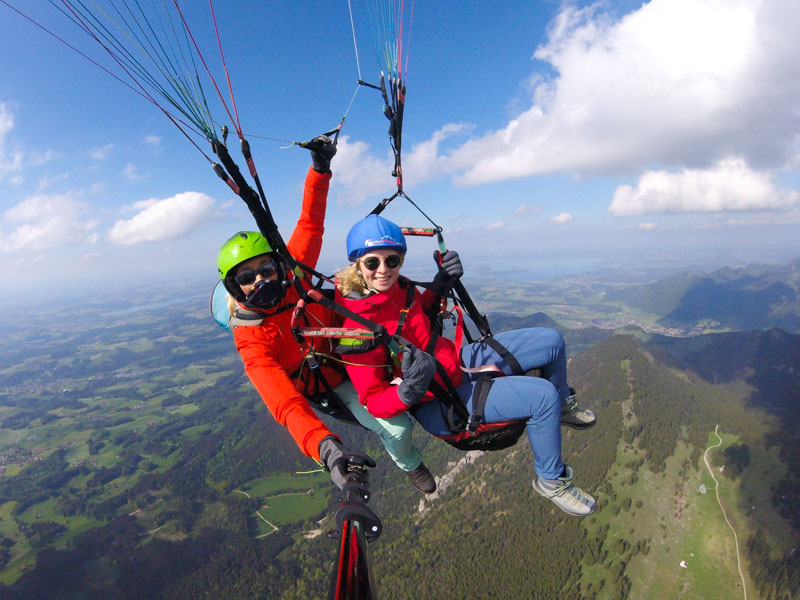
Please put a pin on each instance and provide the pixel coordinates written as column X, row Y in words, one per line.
column 488, row 536
column 155, row 471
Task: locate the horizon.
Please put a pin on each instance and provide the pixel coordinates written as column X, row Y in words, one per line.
column 645, row 267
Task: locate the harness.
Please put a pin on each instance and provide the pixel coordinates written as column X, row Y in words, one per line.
column 475, row 433
column 314, row 385
column 467, row 431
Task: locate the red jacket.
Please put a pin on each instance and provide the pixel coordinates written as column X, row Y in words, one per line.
column 269, row 351
column 374, row 370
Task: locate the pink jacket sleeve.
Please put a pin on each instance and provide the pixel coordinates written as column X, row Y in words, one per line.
column 369, row 377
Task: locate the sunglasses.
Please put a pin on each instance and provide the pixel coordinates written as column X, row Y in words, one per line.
column 373, row 262
column 249, row 277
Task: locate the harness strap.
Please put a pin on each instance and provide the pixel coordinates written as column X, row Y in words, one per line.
column 405, row 310
column 459, row 327
column 317, row 389
column 378, row 330
column 244, row 316
column 481, row 322
column 448, row 395
column 505, row 354
column 479, row 397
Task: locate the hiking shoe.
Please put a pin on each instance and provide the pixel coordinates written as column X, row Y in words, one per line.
column 422, row 479
column 566, row 495
column 574, row 416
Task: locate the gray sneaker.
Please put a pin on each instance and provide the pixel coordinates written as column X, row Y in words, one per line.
column 566, row 495
column 574, row 416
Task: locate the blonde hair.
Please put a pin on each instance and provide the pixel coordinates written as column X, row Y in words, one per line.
column 232, row 304
column 350, row 280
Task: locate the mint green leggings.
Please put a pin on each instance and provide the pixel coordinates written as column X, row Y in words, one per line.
column 395, row 433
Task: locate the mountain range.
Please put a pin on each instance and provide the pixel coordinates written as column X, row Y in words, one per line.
column 752, row 297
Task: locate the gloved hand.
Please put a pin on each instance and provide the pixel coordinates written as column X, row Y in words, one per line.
column 322, row 151
column 335, row 456
column 418, row 369
column 450, row 270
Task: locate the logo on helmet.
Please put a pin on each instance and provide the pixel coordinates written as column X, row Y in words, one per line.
column 382, row 241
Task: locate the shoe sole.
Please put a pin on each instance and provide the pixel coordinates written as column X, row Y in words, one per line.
column 576, row 426
column 574, row 514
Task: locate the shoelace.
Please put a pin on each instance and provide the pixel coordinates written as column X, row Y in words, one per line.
column 560, row 489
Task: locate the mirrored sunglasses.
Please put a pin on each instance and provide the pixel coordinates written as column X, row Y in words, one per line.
column 373, row 262
column 249, row 277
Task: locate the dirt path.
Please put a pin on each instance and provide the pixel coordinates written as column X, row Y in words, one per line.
column 722, row 508
column 274, row 527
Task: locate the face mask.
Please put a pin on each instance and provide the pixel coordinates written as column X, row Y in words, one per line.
column 265, row 295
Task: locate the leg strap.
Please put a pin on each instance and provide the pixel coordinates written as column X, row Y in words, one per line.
column 505, row 354
column 479, row 397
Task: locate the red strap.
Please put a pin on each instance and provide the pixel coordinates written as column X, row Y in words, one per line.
column 459, row 327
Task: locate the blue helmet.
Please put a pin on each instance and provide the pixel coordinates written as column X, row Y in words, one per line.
column 372, row 232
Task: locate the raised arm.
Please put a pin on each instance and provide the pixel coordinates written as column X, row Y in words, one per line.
column 306, row 240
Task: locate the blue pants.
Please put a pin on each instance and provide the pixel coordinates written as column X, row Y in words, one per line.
column 512, row 397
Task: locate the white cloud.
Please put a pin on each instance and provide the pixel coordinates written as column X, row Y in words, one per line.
column 96, row 188
column 152, row 140
column 729, row 186
column 6, row 120
column 360, row 176
column 496, row 225
column 28, row 260
column 647, row 225
column 100, row 152
column 10, row 160
column 676, row 82
column 524, row 210
column 424, row 162
column 41, row 222
column 131, row 174
column 562, row 218
column 46, row 181
column 36, row 159
column 169, row 218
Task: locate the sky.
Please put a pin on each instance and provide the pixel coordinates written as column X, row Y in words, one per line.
column 542, row 134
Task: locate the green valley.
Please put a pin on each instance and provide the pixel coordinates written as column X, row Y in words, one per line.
column 136, row 459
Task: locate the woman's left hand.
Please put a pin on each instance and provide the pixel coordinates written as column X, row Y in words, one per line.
column 450, row 269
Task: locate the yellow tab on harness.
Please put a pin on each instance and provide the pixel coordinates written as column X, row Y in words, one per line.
column 354, row 343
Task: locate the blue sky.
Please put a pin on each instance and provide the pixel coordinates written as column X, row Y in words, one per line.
column 533, row 130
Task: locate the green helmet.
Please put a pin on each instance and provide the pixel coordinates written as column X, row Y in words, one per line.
column 242, row 246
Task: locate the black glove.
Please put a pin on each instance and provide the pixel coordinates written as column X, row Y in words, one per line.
column 450, row 270
column 418, row 369
column 336, row 456
column 322, row 151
